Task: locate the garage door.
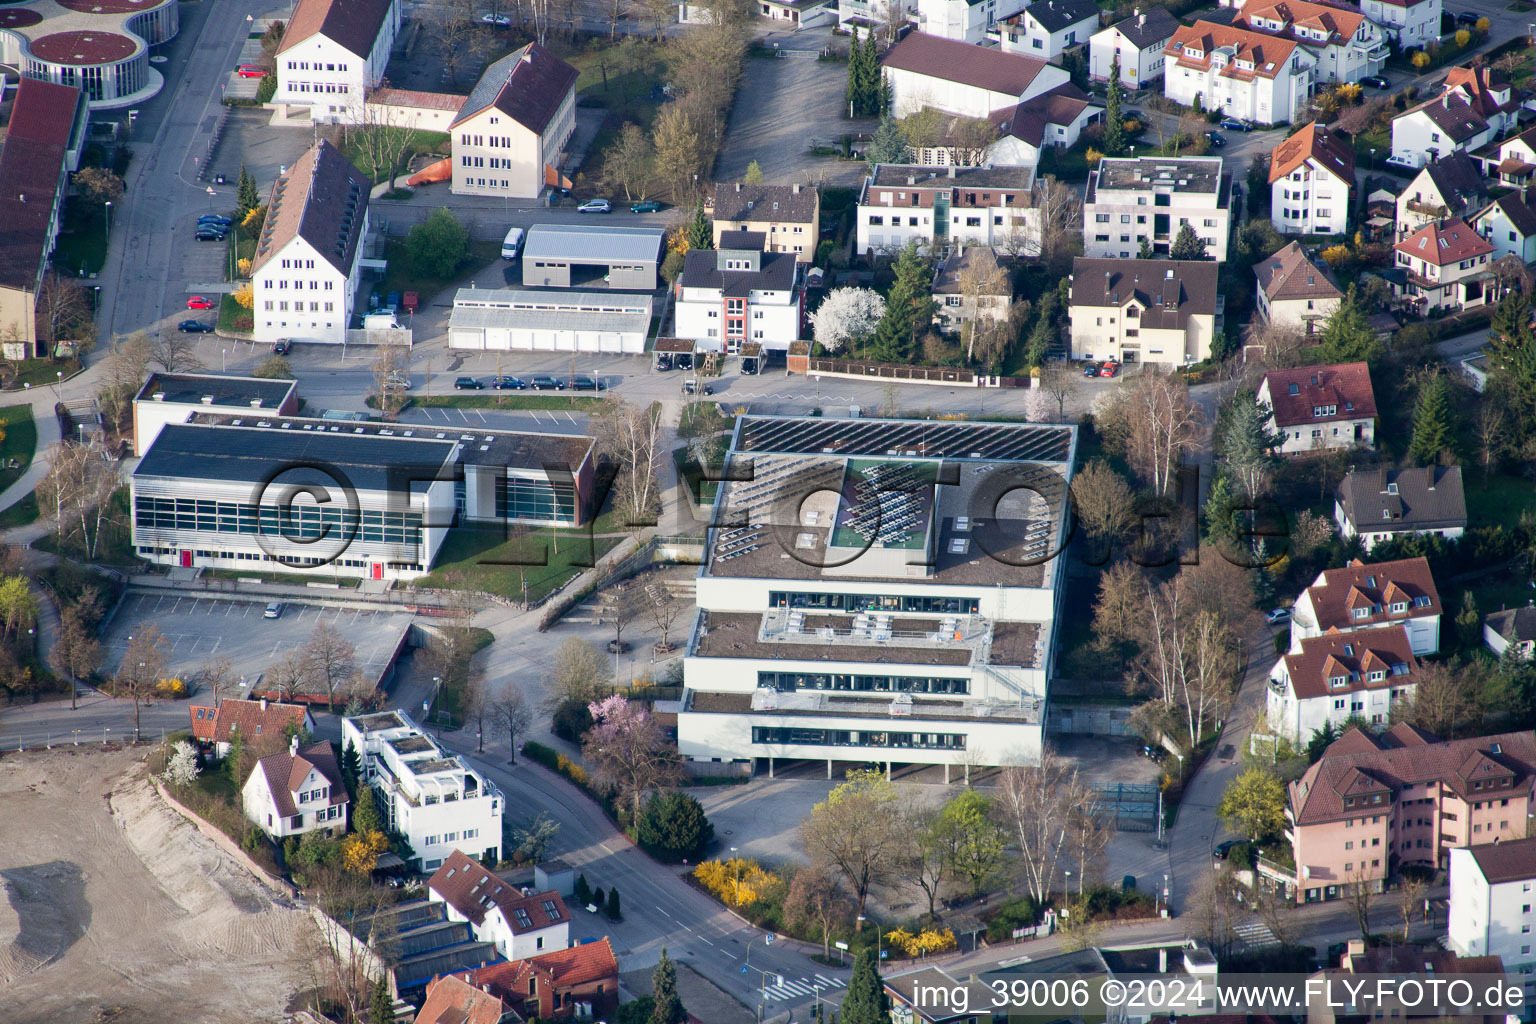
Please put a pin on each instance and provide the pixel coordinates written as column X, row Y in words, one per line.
column 466, row 337
column 498, row 338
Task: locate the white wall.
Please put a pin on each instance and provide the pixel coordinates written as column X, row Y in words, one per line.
column 1502, row 235
column 912, row 91
column 1416, row 140
column 515, row 167
column 1137, row 66
column 1029, row 38
column 1310, row 201
column 774, row 324
column 1411, row 26
column 1298, row 719
column 308, row 279
column 1261, row 100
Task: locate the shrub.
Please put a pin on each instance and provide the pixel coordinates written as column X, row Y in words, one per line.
column 266, row 89
column 571, row 721
column 245, row 295
column 1093, row 157
column 171, row 689
column 673, row 827
column 1019, row 913
column 571, row 770
column 737, row 882
column 1463, row 37
column 929, row 940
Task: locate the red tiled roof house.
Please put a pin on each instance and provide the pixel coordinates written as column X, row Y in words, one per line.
column 333, row 52
column 452, row 1000
column 1361, row 596
column 1444, row 268
column 296, row 791
column 1310, row 177
column 1316, row 407
column 1260, row 78
column 1337, row 676
column 579, row 982
column 254, row 719
column 521, row 923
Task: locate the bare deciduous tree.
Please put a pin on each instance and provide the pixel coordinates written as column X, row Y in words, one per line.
column 980, row 280
column 663, row 609
column 1440, row 701
column 76, row 652
column 816, row 897
column 382, row 139
column 1103, row 501
column 1164, row 425
column 1033, row 804
column 288, row 675
column 217, row 675
column 578, row 674
column 176, row 352
column 1060, row 219
column 633, row 437
column 143, row 666
column 330, row 660
column 857, row 830
column 510, row 711
column 1410, row 900
column 1058, row 380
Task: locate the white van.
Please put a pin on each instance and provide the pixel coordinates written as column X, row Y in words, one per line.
column 512, row 244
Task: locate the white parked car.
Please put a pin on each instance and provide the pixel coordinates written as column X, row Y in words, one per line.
column 499, row 20
column 1277, row 615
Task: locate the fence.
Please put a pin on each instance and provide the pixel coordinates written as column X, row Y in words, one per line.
column 941, row 376
column 384, row 336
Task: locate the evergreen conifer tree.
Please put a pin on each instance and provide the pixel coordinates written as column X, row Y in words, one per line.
column 668, row 1008
column 908, row 309
column 1433, row 431
column 615, row 912
column 1113, row 143
column 865, row 1001
column 381, row 1005
column 1187, row 245
column 246, row 196
column 1348, row 336
column 701, row 235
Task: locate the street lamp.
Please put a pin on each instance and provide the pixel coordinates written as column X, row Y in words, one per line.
column 224, row 360
column 736, row 891
column 879, row 942
column 437, row 691
column 109, row 218
column 1373, row 158
column 58, row 378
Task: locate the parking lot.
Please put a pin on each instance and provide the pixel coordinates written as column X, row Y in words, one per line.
column 198, row 629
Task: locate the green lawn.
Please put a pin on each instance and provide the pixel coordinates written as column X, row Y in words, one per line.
column 486, row 560
column 297, row 578
column 232, row 315
column 20, row 514
column 82, row 245
column 1501, row 502
column 501, row 400
column 42, row 372
column 400, row 276
column 1379, row 139
column 423, row 142
column 19, row 444
column 692, row 475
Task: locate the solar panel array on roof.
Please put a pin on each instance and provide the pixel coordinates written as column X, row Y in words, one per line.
column 931, row 439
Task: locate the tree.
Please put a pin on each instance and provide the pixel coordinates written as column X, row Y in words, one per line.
column 979, row 280
column 76, row 652
column 970, row 138
column 1117, row 611
column 381, row 1005
column 909, row 309
column 143, row 666
column 1161, row 425
column 1469, row 623
column 1061, row 226
column 1060, row 382
column 1347, row 336
column 365, row 813
column 360, row 851
column 973, row 840
column 289, row 674
column 627, row 749
column 1440, row 701
column 176, row 352
column 630, row 162
column 631, row 436
column 865, row 1001
column 64, row 313
column 438, row 245
column 701, row 234
column 351, row 773
column 1113, row 141
column 1247, row 446
column 247, row 198
column 677, row 151
column 274, row 368
column 855, row 829
column 1510, row 316
column 583, row 891
column 1410, row 900
column 888, row 145
column 846, row 318
column 864, row 91
column 1253, row 804
column 668, row 1008
column 663, row 609
column 577, row 674
column 1033, row 802
column 390, row 366
column 1187, row 245
column 673, row 827
column 510, row 712
column 816, row 897
column 181, row 767
column 753, row 174
column 1103, row 501
column 1490, row 430
column 615, row 911
column 534, row 839
column 330, row 660
column 382, row 141
column 1434, row 431
column 98, row 185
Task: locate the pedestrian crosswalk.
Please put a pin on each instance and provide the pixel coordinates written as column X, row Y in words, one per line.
column 1256, row 936
column 798, row 988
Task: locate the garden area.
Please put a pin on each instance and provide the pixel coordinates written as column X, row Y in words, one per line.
column 18, row 442
column 504, row 563
column 436, row 255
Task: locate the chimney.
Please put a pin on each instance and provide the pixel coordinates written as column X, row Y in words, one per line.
column 293, row 746
column 1169, row 273
column 738, row 186
column 795, row 189
column 951, row 170
column 911, row 179
column 263, row 703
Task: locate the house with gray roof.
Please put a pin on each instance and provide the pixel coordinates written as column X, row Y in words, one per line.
column 1049, row 28
column 1511, row 628
column 510, row 136
column 1509, row 224
column 788, row 216
column 333, row 53
column 1380, row 504
column 1144, row 311
column 588, row 256
column 1452, row 186
column 730, row 297
column 1140, row 42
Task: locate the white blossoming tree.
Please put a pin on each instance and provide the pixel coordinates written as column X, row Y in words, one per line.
column 846, row 317
column 181, row 769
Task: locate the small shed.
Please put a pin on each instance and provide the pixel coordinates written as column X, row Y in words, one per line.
column 554, row 874
column 752, row 357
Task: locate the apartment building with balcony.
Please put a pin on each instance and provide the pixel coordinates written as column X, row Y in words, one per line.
column 1408, row 23
column 1443, row 268
column 1144, row 311
column 434, row 798
column 940, row 206
column 1370, row 595
column 1257, row 77
column 1452, row 186
column 1332, row 678
column 1311, row 175
column 1049, row 28
column 879, row 591
column 1141, row 43
column 1376, row 802
column 1347, row 45
column 1133, row 200
column 737, row 295
column 966, row 21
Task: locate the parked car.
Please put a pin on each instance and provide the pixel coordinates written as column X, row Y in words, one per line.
column 1134, row 115
column 506, row 382
column 645, row 206
column 274, row 610
column 1109, row 369
column 1467, row 17
column 194, row 327
column 692, row 386
column 1236, row 124
column 1216, row 139
column 1091, row 370
column 215, row 218
column 1222, row 849
column 1277, row 615
column 198, row 302
column 499, row 20
column 1376, row 81
column 398, row 381
column 584, row 384
column 251, row 71
column 595, row 206
column 468, row 384
column 209, row 234
column 282, row 346
column 544, row 382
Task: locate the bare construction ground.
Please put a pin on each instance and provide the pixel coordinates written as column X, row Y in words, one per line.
column 117, row 909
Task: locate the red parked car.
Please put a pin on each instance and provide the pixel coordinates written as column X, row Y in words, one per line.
column 251, row 71
column 1109, row 369
column 198, row 302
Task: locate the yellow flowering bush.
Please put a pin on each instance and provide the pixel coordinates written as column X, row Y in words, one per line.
column 571, row 770
column 245, row 295
column 174, row 689
column 929, row 940
column 737, row 882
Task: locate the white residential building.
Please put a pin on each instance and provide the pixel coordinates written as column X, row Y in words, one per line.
column 1509, row 225
column 1053, row 119
column 1049, row 28
column 967, row 21
column 1445, row 268
column 1474, row 108
column 1259, row 78
column 1370, row 595
column 1140, row 41
column 1515, row 163
column 519, row 922
column 1348, row 46
column 332, row 54
column 1315, row 407
column 1452, row 186
column 295, row 792
column 509, row 137
column 958, row 78
column 1294, row 290
column 1148, row 199
column 738, row 294
column 855, row 608
column 1493, row 896
column 1511, row 627
column 308, row 258
column 1144, row 311
column 861, row 17
column 1409, row 23
column 1311, row 175
column 434, row 798
column 1338, row 676
column 989, row 206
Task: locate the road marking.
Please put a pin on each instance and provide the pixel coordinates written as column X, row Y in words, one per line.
column 831, row 982
column 731, row 955
column 663, row 912
column 705, row 941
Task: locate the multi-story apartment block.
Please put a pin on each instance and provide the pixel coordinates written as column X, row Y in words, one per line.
column 1310, row 178
column 1445, row 268
column 1379, row 504
column 1148, row 199
column 788, row 216
column 510, row 135
column 1294, row 290
column 1348, row 45
column 1453, row 186
column 1368, row 596
column 432, row 797
column 1493, row 891
column 739, row 294
column 1140, row 41
column 333, row 52
column 961, row 79
column 1315, row 407
column 989, row 206
column 879, row 591
column 295, row 792
column 1332, row 678
column 309, row 255
column 1374, row 803
column 1475, row 107
column 1144, row 311
column 1407, row 964
column 966, row 21
column 1260, row 78
column 862, row 18
column 1050, row 28
column 518, row 922
column 1408, row 23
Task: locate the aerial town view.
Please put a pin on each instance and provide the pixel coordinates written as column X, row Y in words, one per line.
column 767, row 511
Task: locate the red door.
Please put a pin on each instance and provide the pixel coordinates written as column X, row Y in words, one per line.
column 378, row 570
column 186, row 559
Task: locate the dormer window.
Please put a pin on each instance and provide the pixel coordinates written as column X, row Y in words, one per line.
column 1392, row 488
column 1295, row 389
column 1376, row 676
column 1338, row 682
column 1361, row 613
column 1398, row 607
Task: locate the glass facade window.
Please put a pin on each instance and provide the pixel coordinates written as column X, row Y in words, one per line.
column 296, row 522
column 854, row 603
column 787, row 682
column 856, row 738
column 536, row 499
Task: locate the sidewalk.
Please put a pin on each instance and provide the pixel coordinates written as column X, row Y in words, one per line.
column 47, row 437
